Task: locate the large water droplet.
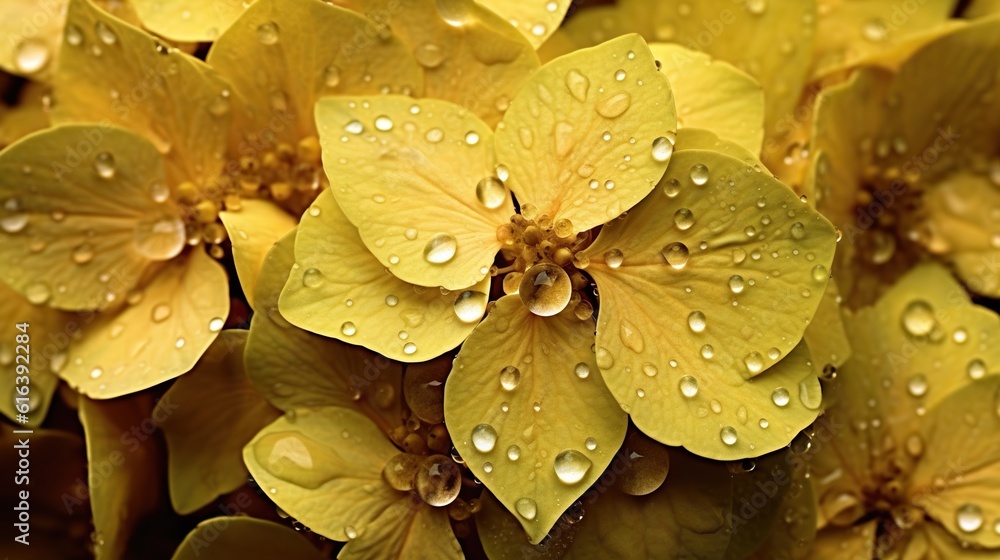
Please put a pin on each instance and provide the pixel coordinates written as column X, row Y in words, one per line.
column 663, row 148
column 31, row 55
column 160, row 238
column 484, row 437
column 676, row 254
column 918, row 318
column 696, row 321
column 969, row 518
column 401, row 471
column 510, row 377
column 754, row 362
column 728, row 435
column 545, row 289
column 688, row 386
column 582, row 370
column 699, row 174
column 780, row 396
column 683, row 219
column 513, row 453
column 440, row 249
column 976, row 369
column 470, row 305
column 526, row 508
column 917, row 385
column 614, row 258
column 439, row 480
column 491, row 192
column 571, row 466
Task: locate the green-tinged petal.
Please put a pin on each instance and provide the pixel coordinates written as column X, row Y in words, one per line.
column 470, row 55
column 921, row 342
column 964, row 212
column 825, row 335
column 188, row 20
column 324, row 467
column 962, row 439
column 162, row 329
column 586, row 28
column 536, row 20
column 209, row 415
column 701, row 139
column 527, row 409
column 740, row 264
column 253, row 229
column 363, row 304
column 294, row 368
column 417, row 178
column 32, row 33
column 713, row 95
column 125, row 473
column 223, row 538
column 772, row 41
column 687, row 517
column 857, row 541
column 847, row 32
column 303, row 50
column 79, row 224
column 590, row 134
column 42, row 355
column 113, row 73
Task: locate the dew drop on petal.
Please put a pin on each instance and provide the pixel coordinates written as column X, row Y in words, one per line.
column 969, row 518
column 676, row 254
column 470, row 305
column 696, row 321
column 348, row 329
column 918, row 318
column 383, row 123
column 440, row 249
column 663, row 148
column 484, row 437
column 780, row 397
column 526, row 508
column 614, row 258
column 491, row 192
column 510, row 378
column 545, row 289
column 699, row 174
column 688, row 386
column 268, row 33
column 31, row 55
column 160, row 238
column 571, row 466
column 728, row 435
column 312, row 278
column 582, row 370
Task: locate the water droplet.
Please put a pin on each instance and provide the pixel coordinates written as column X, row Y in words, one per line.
column 469, row 306
column 440, row 249
column 74, row 35
column 728, row 435
column 104, row 164
column 383, row 123
column 37, row 293
column 268, row 33
column 976, row 369
column 484, row 437
column 676, row 254
column 699, row 174
column 797, row 231
column 491, row 192
column 409, row 348
column 614, row 258
column 582, row 370
column 683, row 219
column 736, row 284
column 510, row 377
column 31, row 55
column 83, row 254
column 756, row 7
column 613, row 106
column 439, row 480
column 619, row 75
column 688, row 386
column 160, row 313
column 348, row 329
column 354, row 127
column 578, row 85
column 918, row 318
column 105, row 33
column 526, row 508
column 160, row 238
column 216, row 324
column 571, row 466
column 969, row 518
column 429, row 55
column 590, row 443
column 707, row 351
column 663, row 148
column 754, row 362
column 96, row 372
column 14, row 223
column 312, row 278
column 696, row 320
column 545, row 289
column 513, row 453
column 780, row 397
column 630, row 336
column 471, row 138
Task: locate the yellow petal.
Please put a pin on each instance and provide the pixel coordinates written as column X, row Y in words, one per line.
column 587, row 27
column 982, row 8
column 125, row 471
column 510, row 425
column 303, row 50
column 589, row 135
column 407, row 173
column 42, row 355
column 121, row 75
column 220, row 538
column 849, row 32
column 713, row 95
column 362, row 304
column 188, row 20
column 964, row 210
column 207, row 417
column 158, row 334
column 689, row 512
column 739, row 237
column 845, row 542
column 294, row 368
column 470, row 56
column 27, row 116
column 253, row 229
column 536, row 20
column 32, row 34
column 324, row 467
column 78, row 209
column 825, row 334
column 772, row 41
column 958, row 480
column 941, row 545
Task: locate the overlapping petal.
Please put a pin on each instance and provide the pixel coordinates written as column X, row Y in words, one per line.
column 253, row 230
column 81, row 214
column 691, row 251
column 537, row 20
column 365, row 305
column 589, row 134
column 713, row 95
column 209, row 415
column 188, row 20
column 585, row 28
column 296, row 369
column 219, row 538
column 529, row 413
column 168, row 97
column 417, row 178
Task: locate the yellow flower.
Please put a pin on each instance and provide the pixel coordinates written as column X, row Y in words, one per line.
column 586, row 139
column 323, row 461
column 245, row 537
column 907, row 165
column 910, row 464
column 94, row 221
